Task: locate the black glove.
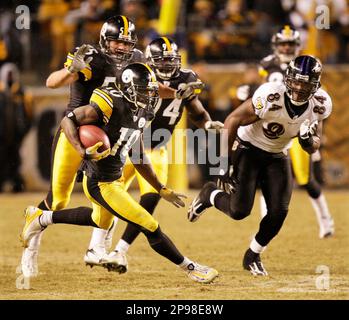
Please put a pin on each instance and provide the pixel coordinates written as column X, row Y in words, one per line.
column 227, row 180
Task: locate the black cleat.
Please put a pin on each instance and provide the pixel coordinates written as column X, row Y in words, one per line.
column 252, row 262
column 201, row 202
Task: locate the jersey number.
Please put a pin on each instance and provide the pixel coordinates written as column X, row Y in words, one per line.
column 130, row 139
column 172, row 111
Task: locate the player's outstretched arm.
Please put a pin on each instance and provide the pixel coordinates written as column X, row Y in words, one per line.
column 200, row 117
column 144, row 167
column 60, row 78
column 309, row 136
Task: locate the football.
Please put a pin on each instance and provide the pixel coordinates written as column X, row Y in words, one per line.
column 90, row 135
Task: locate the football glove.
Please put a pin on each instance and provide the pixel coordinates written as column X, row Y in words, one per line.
column 306, row 132
column 173, row 197
column 226, row 181
column 92, row 153
column 215, row 125
column 187, row 90
column 80, row 61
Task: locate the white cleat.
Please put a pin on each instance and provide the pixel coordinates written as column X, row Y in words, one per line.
column 201, row 273
column 29, row 263
column 96, row 257
column 32, row 225
column 326, row 229
column 117, row 262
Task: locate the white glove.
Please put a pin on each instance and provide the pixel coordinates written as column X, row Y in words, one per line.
column 215, row 125
column 92, row 153
column 80, row 61
column 308, row 129
column 226, row 180
column 188, row 89
column 243, row 92
column 173, row 197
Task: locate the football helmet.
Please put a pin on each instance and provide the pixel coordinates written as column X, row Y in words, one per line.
column 118, row 28
column 163, row 57
column 139, row 86
column 279, row 41
column 302, row 78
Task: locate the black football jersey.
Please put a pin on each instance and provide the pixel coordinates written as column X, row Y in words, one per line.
column 101, row 71
column 272, row 69
column 168, row 112
column 123, row 127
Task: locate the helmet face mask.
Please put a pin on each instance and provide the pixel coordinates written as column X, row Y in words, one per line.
column 118, row 38
column 286, row 44
column 139, row 87
column 163, row 57
column 302, row 79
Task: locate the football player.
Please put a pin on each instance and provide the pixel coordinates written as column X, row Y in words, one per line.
column 163, row 57
column 286, row 46
column 85, row 69
column 258, row 134
column 122, row 111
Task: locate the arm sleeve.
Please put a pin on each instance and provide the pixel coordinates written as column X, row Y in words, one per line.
column 103, row 103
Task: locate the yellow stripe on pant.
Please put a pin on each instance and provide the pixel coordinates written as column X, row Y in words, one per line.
column 66, row 162
column 159, row 161
column 111, row 197
column 300, row 160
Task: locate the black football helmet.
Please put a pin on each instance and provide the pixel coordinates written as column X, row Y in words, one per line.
column 163, row 57
column 286, row 35
column 118, row 28
column 302, row 79
column 139, row 86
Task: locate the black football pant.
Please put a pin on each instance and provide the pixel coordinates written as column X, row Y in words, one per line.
column 273, row 172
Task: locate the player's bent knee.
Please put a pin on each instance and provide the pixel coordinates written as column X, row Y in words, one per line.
column 239, row 214
column 103, row 221
column 60, row 205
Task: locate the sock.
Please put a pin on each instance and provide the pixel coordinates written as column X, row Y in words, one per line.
column 109, row 236
column 213, row 196
column 186, row 262
column 122, row 246
column 35, row 241
column 263, row 207
column 81, row 216
column 46, row 218
column 256, row 247
column 98, row 238
column 321, row 209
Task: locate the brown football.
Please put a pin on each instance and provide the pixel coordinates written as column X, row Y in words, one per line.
column 90, row 135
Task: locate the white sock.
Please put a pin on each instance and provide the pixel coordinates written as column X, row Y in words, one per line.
column 256, row 247
column 46, row 218
column 213, row 195
column 321, row 209
column 110, row 233
column 122, row 246
column 263, row 205
column 98, row 238
column 185, row 263
column 35, row 241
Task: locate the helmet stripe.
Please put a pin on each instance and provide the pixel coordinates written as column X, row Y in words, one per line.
column 125, row 25
column 167, row 42
column 153, row 79
column 287, row 31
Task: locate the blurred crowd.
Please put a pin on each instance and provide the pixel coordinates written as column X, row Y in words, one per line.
column 211, row 30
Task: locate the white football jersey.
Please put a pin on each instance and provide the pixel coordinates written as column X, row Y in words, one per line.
column 276, row 128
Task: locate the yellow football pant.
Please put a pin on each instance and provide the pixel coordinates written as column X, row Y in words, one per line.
column 300, row 160
column 110, row 199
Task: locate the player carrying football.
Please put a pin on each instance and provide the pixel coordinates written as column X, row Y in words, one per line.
column 122, row 111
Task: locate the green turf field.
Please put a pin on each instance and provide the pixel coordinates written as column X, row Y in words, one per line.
column 301, row 266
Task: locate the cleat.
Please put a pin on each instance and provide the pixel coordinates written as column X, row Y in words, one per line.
column 32, row 225
column 252, row 262
column 201, row 202
column 326, row 229
column 29, row 263
column 117, row 262
column 96, row 257
column 201, row 273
